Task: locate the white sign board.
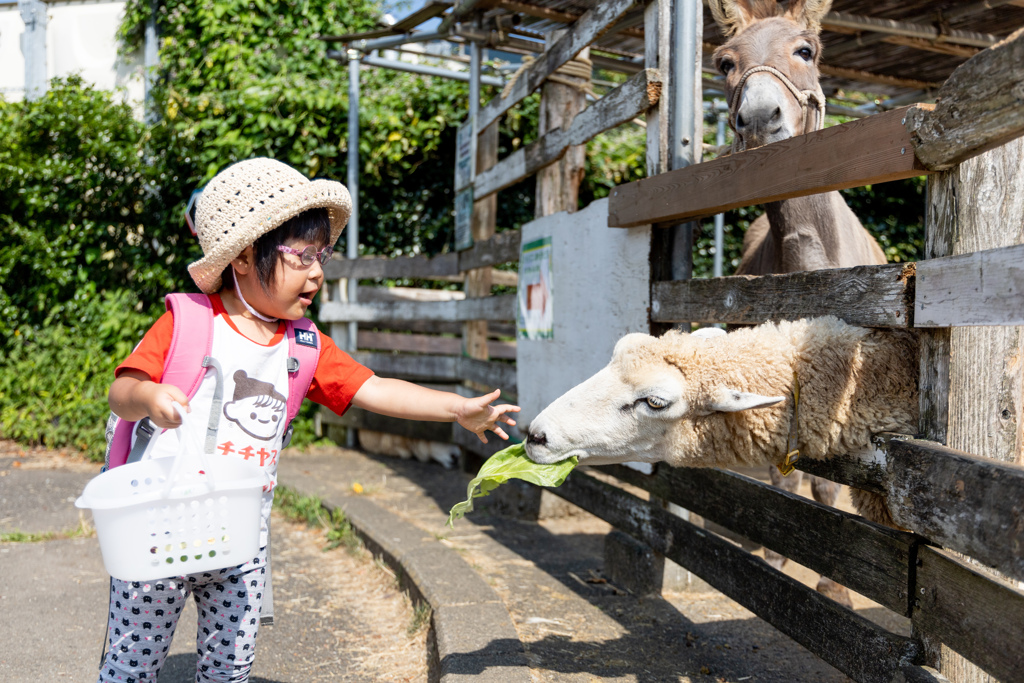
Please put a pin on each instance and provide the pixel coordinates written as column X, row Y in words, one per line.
column 535, row 297
column 601, row 278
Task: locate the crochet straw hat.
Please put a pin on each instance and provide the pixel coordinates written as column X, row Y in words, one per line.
column 251, row 198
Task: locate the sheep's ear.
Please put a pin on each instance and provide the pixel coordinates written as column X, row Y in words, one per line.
column 631, row 341
column 731, row 401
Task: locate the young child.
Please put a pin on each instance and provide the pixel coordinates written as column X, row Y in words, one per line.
column 265, row 230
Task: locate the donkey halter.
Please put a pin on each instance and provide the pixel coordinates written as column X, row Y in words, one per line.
column 812, row 102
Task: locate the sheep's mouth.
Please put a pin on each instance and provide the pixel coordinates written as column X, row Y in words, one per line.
column 544, row 456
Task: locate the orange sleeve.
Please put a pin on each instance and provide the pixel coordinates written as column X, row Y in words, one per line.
column 337, row 378
column 150, row 354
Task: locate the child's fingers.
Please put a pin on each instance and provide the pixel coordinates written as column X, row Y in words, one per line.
column 482, row 437
column 500, row 432
column 487, row 398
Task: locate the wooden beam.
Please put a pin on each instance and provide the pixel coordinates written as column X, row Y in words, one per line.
column 978, row 617
column 844, row 20
column 426, row 343
column 980, row 288
column 379, row 267
column 356, row 418
column 502, row 248
column 624, row 103
column 496, row 330
column 963, row 502
column 582, row 33
column 870, row 559
column 847, row 641
column 873, row 296
column 442, row 369
column 486, row 308
column 980, row 106
column 871, row 150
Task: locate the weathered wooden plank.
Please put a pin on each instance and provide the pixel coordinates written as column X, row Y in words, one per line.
column 870, row 559
column 366, row 268
column 501, row 248
column 871, row 150
column 424, row 343
column 842, row 638
column 496, row 330
column 979, row 617
column 441, row 368
column 980, row 106
column 980, row 288
column 357, row 418
column 487, row 308
column 624, row 103
column 965, row 503
column 874, row 296
column 860, row 471
column 580, row 35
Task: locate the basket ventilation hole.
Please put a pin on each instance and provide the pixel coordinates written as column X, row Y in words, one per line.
column 135, row 482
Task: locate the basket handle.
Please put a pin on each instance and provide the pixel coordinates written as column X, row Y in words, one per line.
column 180, row 458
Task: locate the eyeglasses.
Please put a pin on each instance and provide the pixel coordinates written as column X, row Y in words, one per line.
column 309, row 254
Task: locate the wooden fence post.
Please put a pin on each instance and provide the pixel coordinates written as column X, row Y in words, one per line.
column 485, row 211
column 558, row 184
column 972, row 378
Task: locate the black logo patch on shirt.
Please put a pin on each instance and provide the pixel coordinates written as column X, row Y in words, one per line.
column 305, row 338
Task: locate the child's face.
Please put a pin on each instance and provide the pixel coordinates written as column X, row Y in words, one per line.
column 293, row 287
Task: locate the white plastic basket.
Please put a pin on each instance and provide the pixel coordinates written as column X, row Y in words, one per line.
column 175, row 516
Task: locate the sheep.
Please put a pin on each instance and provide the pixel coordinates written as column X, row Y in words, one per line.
column 705, row 400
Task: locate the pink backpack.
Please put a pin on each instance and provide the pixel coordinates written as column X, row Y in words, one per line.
column 188, row 360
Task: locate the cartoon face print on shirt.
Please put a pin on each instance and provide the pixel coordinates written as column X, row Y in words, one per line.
column 257, row 407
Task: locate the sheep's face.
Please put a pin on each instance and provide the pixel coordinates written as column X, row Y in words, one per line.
column 632, row 410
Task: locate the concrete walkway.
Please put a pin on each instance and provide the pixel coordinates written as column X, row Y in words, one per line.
column 512, row 601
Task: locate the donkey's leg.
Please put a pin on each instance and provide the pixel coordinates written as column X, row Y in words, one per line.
column 791, row 484
column 826, row 492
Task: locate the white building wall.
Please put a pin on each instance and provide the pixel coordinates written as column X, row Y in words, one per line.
column 81, row 37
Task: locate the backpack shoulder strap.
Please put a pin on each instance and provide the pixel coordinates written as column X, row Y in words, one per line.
column 303, row 357
column 191, row 342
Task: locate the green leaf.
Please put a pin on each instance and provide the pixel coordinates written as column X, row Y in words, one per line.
column 510, row 463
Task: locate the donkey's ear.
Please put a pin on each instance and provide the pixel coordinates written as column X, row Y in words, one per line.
column 809, row 13
column 726, row 400
column 732, row 16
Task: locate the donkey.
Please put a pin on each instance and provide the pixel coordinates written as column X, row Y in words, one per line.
column 770, row 64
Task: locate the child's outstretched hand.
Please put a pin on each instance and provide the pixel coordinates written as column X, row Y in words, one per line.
column 478, row 415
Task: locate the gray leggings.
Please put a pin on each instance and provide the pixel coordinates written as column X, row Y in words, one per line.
column 143, row 616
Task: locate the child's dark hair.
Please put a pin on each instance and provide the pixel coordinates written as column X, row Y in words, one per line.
column 312, row 226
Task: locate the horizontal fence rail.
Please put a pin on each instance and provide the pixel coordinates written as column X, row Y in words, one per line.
column 847, row 641
column 499, row 308
column 981, row 288
column 872, row 296
column 502, row 248
column 452, row 369
column 871, row 150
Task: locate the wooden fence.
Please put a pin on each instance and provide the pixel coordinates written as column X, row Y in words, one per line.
column 950, row 502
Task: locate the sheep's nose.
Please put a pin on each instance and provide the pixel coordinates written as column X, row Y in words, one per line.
column 537, row 439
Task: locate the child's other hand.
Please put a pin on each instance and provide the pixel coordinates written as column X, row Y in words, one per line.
column 158, row 399
column 478, row 416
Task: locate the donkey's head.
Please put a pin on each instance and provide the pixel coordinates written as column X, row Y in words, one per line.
column 770, row 64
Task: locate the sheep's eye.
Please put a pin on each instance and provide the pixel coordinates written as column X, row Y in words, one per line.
column 725, row 66
column 656, row 403
column 805, row 53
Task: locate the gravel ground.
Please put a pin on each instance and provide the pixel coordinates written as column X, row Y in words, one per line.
column 338, row 616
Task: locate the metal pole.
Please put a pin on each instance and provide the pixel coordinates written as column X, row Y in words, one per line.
column 33, row 46
column 686, row 115
column 427, row 70
column 152, row 60
column 352, row 241
column 720, row 218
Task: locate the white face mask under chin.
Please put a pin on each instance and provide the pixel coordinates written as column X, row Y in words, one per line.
column 238, row 291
